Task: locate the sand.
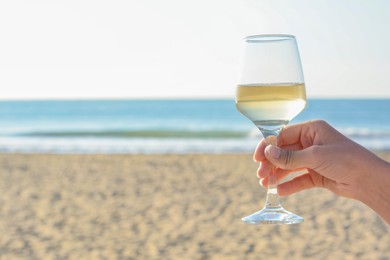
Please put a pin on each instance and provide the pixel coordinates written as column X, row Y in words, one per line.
column 168, row 207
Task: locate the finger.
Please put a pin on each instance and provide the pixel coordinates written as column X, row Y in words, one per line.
column 300, row 183
column 294, row 147
column 292, row 134
column 264, row 169
column 289, row 159
column 263, row 183
column 281, row 174
column 259, row 152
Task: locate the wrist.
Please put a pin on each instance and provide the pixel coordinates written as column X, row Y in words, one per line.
column 375, row 190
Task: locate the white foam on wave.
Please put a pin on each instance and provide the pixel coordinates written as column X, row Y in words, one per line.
column 131, row 145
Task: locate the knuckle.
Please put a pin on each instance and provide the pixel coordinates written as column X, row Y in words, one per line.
column 319, row 124
column 289, row 158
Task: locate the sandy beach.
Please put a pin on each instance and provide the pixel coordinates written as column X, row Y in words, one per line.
column 168, row 207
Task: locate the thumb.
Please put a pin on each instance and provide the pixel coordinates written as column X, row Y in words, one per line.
column 287, row 159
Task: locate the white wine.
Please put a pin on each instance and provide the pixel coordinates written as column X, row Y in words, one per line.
column 273, row 104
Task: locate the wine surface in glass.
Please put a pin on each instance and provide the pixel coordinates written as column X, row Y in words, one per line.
column 271, row 104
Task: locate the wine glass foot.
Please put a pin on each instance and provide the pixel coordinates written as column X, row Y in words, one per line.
column 272, row 216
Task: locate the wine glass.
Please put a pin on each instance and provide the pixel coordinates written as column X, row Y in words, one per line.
column 271, row 92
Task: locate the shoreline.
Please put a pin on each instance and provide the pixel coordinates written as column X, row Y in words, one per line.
column 168, row 206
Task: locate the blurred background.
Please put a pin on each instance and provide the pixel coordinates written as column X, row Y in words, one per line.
column 119, row 136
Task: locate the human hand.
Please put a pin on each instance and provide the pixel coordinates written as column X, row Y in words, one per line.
column 332, row 160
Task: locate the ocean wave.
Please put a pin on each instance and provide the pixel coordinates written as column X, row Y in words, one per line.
column 148, row 145
column 354, row 133
column 138, row 134
column 125, row 146
column 365, row 132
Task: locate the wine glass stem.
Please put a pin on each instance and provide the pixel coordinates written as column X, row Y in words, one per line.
column 272, row 192
column 273, row 201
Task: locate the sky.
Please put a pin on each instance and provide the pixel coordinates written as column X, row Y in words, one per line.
column 52, row 49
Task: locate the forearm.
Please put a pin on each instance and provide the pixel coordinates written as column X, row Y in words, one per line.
column 376, row 193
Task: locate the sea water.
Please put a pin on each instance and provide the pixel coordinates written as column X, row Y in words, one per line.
column 169, row 126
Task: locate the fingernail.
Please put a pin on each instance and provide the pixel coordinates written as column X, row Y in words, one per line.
column 273, row 151
column 260, row 182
